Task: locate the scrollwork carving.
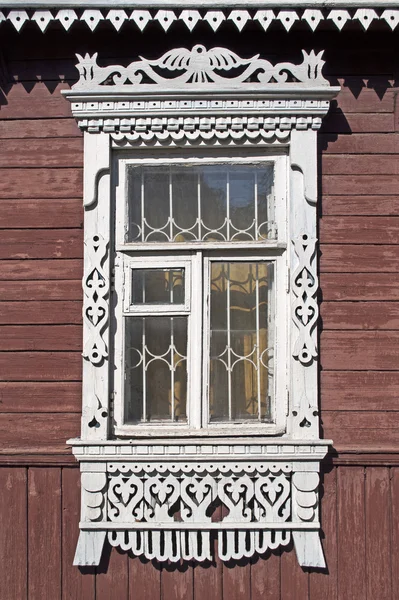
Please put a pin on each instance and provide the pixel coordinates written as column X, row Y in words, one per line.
column 305, row 307
column 96, row 290
column 199, row 66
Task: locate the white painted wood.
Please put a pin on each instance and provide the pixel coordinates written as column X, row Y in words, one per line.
column 215, row 18
column 239, row 18
column 66, row 17
column 42, row 18
column 199, row 67
column 287, row 18
column 366, row 16
column 391, row 17
column 190, row 18
column 308, row 549
column 92, row 18
column 165, row 18
column 18, row 18
column 313, row 17
column 206, row 3
column 141, row 18
column 89, row 549
column 339, row 17
column 96, row 192
column 265, row 18
column 117, row 18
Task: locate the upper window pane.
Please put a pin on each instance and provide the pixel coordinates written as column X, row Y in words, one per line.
column 158, row 286
column 209, row 203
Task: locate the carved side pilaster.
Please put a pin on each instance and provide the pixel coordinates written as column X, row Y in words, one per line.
column 96, row 300
column 96, row 288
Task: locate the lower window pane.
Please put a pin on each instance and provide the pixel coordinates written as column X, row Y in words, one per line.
column 241, row 341
column 155, row 369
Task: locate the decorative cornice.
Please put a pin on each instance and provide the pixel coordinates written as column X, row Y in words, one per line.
column 176, row 452
column 264, row 14
column 191, row 93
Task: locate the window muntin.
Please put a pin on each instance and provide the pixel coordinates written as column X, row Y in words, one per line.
column 262, row 410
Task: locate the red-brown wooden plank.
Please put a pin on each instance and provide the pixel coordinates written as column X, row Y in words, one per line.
column 368, row 431
column 359, row 390
column 359, row 350
column 57, row 152
column 77, row 584
column 13, row 538
column 18, row 270
column 265, row 577
column 40, row 337
column 360, row 205
column 208, row 580
column 112, row 580
column 359, row 230
column 394, row 529
column 236, row 581
column 371, row 164
column 294, row 580
column 368, row 100
column 323, row 584
column 358, row 143
column 144, row 579
column 378, row 526
column 351, row 533
column 336, row 185
column 44, row 533
column 360, row 315
column 38, row 128
column 40, row 366
column 357, row 286
column 41, row 243
column 41, row 213
column 358, row 123
column 41, row 313
column 359, row 259
column 41, row 183
column 38, row 102
column 41, row 433
column 24, row 397
column 177, row 581
column 41, row 291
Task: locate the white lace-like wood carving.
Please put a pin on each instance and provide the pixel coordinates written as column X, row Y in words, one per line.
column 156, row 496
column 121, row 18
column 199, row 66
column 96, row 290
column 165, row 512
column 305, row 308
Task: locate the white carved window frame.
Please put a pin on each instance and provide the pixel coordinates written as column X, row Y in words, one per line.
column 198, row 347
column 268, row 483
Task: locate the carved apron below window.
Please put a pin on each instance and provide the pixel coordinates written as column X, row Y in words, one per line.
column 200, row 360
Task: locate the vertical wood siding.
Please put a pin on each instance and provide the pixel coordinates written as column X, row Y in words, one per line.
column 40, row 514
column 41, row 154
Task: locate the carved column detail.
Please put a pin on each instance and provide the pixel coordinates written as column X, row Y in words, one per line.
column 305, row 309
column 96, row 291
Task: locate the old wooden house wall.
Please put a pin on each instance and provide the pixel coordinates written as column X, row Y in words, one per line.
column 40, row 332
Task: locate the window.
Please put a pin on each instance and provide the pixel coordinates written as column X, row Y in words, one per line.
column 200, row 307
column 201, row 258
